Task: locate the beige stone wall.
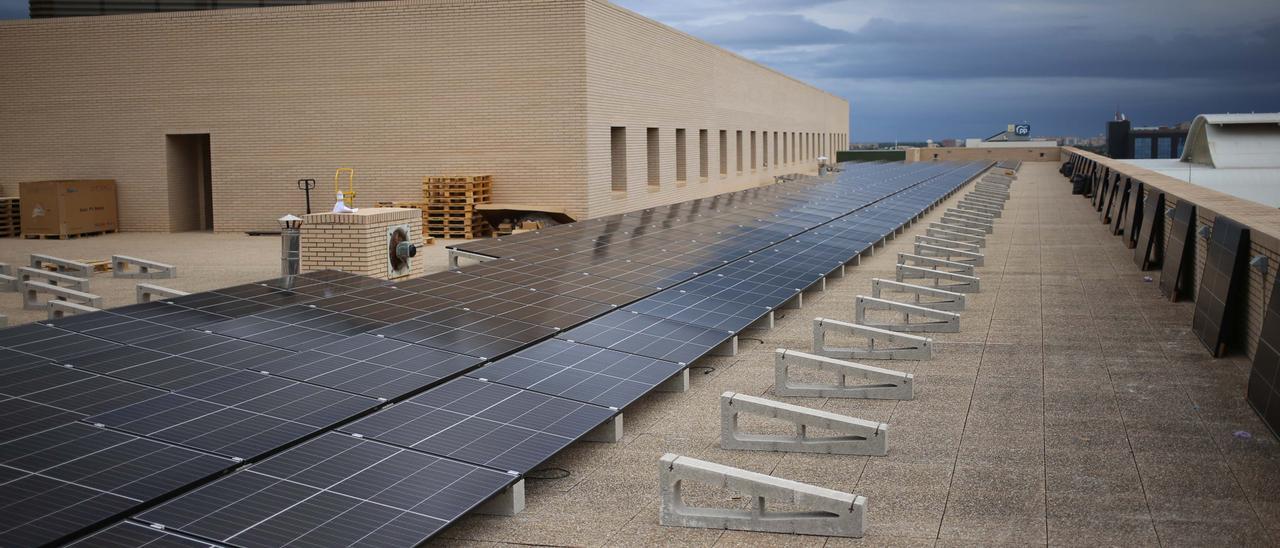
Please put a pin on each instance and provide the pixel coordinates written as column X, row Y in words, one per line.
column 1263, row 223
column 525, row 90
column 965, row 154
column 642, row 74
column 396, row 90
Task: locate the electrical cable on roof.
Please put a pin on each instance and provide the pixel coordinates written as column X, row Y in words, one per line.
column 708, row 368
column 550, row 473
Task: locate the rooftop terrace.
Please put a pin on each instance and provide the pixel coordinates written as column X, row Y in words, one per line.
column 1074, row 407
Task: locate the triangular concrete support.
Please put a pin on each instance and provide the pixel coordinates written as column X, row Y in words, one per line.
column 939, row 299
column 956, row 236
column 940, row 321
column 994, row 212
column 952, row 244
column 824, row 511
column 934, row 262
column 954, row 255
column 854, row 436
column 882, row 344
column 883, row 384
column 960, row 282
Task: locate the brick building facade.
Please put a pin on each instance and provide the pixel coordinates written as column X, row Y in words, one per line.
column 206, row 119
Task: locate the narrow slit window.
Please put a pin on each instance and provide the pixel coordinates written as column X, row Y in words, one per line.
column 703, row 168
column 738, row 150
column 681, row 173
column 724, row 152
column 618, row 157
column 655, row 160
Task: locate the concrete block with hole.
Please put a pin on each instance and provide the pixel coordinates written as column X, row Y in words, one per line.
column 928, row 297
column 994, row 212
column 882, row 344
column 31, row 292
column 817, row 510
column 912, row 259
column 852, row 436
column 123, row 266
column 65, row 266
column 950, row 254
column 936, row 321
column 947, row 281
column 960, row 220
column 60, row 309
column 149, row 292
column 880, row 384
column 28, row 274
column 955, row 236
column 952, row 244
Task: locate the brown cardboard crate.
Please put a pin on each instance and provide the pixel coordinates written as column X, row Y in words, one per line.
column 64, row 209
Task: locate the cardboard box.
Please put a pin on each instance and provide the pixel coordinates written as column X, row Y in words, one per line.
column 68, row 208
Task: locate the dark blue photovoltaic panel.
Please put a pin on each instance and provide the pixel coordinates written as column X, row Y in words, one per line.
column 128, row 534
column 580, row 372
column 465, row 332
column 374, row 366
column 71, row 389
column 484, row 423
column 335, row 490
column 644, row 335
column 692, row 308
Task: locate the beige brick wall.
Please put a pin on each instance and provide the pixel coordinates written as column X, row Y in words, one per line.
column 523, row 89
column 396, row 90
column 642, row 74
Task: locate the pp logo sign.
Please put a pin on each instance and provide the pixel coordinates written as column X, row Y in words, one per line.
column 1022, row 130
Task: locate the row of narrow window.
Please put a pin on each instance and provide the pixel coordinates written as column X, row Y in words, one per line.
column 787, row 147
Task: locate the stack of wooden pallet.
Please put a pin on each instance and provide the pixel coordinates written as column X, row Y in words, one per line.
column 451, row 205
column 10, row 217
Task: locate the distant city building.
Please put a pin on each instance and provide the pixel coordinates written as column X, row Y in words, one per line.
column 75, row 8
column 1125, row 141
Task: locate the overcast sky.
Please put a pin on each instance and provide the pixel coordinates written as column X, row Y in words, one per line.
column 965, row 68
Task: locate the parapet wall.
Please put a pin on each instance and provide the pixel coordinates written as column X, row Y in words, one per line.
column 1263, row 223
column 966, row 154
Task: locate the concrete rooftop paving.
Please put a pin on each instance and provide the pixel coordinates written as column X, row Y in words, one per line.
column 1075, row 407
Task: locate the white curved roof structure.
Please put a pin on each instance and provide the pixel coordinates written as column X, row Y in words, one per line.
column 1234, row 141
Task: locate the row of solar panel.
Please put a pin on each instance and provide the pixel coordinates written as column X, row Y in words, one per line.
column 271, row 365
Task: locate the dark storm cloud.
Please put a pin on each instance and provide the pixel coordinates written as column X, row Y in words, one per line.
column 939, row 68
column 13, row 9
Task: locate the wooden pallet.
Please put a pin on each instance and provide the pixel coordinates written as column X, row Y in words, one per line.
column 98, row 265
column 65, row 236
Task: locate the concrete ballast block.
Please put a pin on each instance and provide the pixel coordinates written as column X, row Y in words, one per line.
column 882, row 344
column 147, row 292
column 826, row 512
column 941, row 299
column 32, row 290
column 949, row 235
column 985, row 227
column 29, row 274
column 882, row 384
column 854, row 436
column 59, row 309
column 960, row 283
column 508, row 502
column 912, row 259
column 120, row 268
column 994, row 212
column 939, row 321
column 954, row 255
column 65, row 266
column 959, row 229
column 951, row 244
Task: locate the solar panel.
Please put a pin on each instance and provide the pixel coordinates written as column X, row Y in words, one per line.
column 645, row 335
column 1176, row 271
column 538, row 307
column 58, row 481
column 335, row 490
column 127, row 534
column 241, row 415
column 465, row 332
column 373, row 366
column 150, row 368
column 1149, row 250
column 484, row 423
column 50, row 342
column 19, row 418
column 71, row 389
column 1217, row 321
column 1264, row 383
column 693, row 308
column 580, row 372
